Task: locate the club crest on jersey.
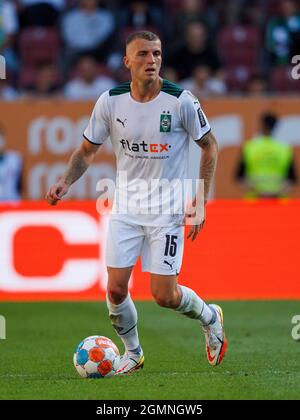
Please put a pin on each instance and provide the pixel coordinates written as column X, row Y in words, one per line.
column 165, row 123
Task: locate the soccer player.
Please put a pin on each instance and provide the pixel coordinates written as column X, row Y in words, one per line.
column 149, row 121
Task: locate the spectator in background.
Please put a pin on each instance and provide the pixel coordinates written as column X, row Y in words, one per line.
column 283, row 33
column 266, row 169
column 134, row 15
column 141, row 14
column 7, row 92
column 202, row 84
column 88, row 84
column 8, row 31
column 46, row 85
column 256, row 86
column 252, row 14
column 40, row 12
column 169, row 73
column 87, row 29
column 11, row 166
column 190, row 11
column 196, row 50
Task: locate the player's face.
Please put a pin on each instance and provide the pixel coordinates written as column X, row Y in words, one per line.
column 143, row 59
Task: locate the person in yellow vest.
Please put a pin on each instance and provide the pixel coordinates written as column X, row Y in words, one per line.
column 267, row 168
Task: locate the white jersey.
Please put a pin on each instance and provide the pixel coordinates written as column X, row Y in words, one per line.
column 151, row 143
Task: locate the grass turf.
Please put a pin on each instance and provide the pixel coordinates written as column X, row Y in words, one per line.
column 262, row 360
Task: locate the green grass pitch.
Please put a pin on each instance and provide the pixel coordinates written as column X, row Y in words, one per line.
column 262, row 360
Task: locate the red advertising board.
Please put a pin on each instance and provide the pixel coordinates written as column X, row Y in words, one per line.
column 247, row 250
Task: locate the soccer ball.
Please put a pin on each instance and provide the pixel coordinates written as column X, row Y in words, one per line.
column 96, row 357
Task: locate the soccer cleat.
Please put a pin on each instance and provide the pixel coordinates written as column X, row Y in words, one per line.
column 215, row 338
column 129, row 363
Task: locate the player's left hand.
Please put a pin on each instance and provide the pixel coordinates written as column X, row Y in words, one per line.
column 196, row 220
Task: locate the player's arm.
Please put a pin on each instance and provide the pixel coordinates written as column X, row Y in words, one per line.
column 209, row 146
column 80, row 160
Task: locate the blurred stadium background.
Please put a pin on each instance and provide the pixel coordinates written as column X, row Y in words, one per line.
column 236, row 56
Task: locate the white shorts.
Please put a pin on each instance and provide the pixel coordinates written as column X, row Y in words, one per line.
column 160, row 248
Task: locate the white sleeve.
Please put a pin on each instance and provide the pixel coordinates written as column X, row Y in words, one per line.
column 193, row 118
column 97, row 130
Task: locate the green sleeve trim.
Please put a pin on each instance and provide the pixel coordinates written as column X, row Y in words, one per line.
column 171, row 88
column 120, row 89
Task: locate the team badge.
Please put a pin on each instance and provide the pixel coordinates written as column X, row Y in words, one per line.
column 165, row 123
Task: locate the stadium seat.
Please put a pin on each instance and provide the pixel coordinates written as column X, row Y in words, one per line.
column 102, row 70
column 240, row 57
column 272, row 8
column 282, row 81
column 26, row 77
column 38, row 45
column 239, row 36
column 237, row 78
column 239, row 45
column 28, row 74
column 172, row 6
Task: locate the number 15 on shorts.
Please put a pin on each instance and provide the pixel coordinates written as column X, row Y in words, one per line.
column 171, row 245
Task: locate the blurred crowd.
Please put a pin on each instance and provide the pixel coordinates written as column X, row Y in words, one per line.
column 74, row 48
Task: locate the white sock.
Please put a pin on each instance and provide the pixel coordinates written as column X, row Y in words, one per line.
column 124, row 320
column 194, row 307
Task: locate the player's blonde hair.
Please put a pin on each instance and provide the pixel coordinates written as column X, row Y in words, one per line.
column 149, row 36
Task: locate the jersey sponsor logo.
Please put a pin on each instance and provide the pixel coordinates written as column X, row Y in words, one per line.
column 165, row 122
column 121, row 122
column 145, row 147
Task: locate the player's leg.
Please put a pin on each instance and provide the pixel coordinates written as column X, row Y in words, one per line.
column 124, row 243
column 122, row 311
column 123, row 315
column 169, row 294
column 185, row 301
column 162, row 256
column 163, row 251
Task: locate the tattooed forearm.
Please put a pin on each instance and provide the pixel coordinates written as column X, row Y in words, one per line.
column 208, row 160
column 80, row 161
column 206, row 140
column 207, row 170
column 77, row 166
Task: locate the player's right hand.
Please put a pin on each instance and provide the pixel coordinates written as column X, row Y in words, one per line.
column 56, row 192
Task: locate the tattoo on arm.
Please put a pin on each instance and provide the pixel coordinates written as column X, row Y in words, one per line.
column 208, row 166
column 208, row 160
column 206, row 140
column 77, row 166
